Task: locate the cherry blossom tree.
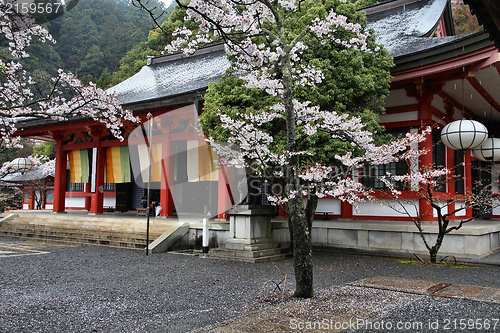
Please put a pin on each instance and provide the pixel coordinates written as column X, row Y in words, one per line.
column 424, row 184
column 269, row 45
column 61, row 97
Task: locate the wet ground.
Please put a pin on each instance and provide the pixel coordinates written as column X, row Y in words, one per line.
column 50, row 288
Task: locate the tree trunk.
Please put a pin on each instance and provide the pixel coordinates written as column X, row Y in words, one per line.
column 435, row 249
column 302, row 251
column 301, row 235
column 312, row 204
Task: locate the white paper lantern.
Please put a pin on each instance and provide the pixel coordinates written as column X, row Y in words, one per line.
column 464, row 134
column 21, row 164
column 488, row 151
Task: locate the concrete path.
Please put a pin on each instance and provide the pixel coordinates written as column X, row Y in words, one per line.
column 50, row 288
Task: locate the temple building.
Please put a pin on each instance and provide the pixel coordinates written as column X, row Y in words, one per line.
column 438, row 78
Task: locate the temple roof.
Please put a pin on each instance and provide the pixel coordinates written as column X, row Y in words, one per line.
column 404, row 27
column 174, row 75
column 35, row 174
column 400, row 25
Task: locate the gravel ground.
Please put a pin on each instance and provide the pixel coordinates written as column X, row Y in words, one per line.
column 98, row 289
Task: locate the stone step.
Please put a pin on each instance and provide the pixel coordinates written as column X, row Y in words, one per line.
column 118, row 232
column 118, row 245
column 69, row 231
column 128, row 225
column 231, row 255
column 115, row 232
column 248, row 254
column 96, row 236
column 115, row 225
column 82, row 242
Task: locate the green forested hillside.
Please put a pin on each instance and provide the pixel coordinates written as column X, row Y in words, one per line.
column 132, row 62
column 107, row 41
column 91, row 38
column 96, row 34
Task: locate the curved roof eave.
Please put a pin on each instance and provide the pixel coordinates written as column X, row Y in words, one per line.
column 425, row 51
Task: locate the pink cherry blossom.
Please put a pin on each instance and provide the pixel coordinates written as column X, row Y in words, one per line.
column 17, row 98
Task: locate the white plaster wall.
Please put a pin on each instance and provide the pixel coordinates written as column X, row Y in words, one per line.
column 329, row 205
column 26, row 206
column 496, row 211
column 460, row 204
column 109, row 202
column 398, row 117
column 399, row 97
column 75, row 202
column 444, row 209
column 382, row 208
column 438, row 120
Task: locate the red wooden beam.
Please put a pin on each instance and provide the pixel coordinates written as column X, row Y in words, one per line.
column 479, row 59
column 401, row 109
column 480, row 89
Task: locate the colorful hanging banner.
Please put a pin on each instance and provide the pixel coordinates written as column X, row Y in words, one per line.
column 117, row 165
column 193, row 171
column 156, row 155
column 79, row 165
column 206, row 162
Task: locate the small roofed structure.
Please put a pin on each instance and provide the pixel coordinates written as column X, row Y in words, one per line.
column 37, row 186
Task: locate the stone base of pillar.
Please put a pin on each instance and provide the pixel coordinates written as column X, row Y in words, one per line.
column 250, row 236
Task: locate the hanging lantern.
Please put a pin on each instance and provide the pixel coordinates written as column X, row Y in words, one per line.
column 488, row 151
column 464, row 134
column 21, row 164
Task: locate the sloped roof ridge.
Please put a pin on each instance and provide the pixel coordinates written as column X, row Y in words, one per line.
column 181, row 55
column 387, row 5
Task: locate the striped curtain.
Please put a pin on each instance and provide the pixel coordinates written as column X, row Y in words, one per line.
column 209, row 171
column 79, row 165
column 156, row 155
column 201, row 162
column 118, row 165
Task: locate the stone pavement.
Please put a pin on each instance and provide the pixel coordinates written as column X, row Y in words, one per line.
column 492, row 259
column 51, row 288
column 362, row 305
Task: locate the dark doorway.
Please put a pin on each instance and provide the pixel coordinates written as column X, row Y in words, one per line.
column 123, row 197
column 481, row 182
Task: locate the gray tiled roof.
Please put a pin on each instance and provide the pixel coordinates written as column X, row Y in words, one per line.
column 172, row 77
column 401, row 28
column 35, row 174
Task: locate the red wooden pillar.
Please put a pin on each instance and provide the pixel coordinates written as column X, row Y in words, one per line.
column 31, row 201
column 60, row 179
column 87, row 190
column 468, row 179
column 281, row 212
column 224, row 192
column 97, row 198
column 425, row 160
column 345, row 210
column 166, row 198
